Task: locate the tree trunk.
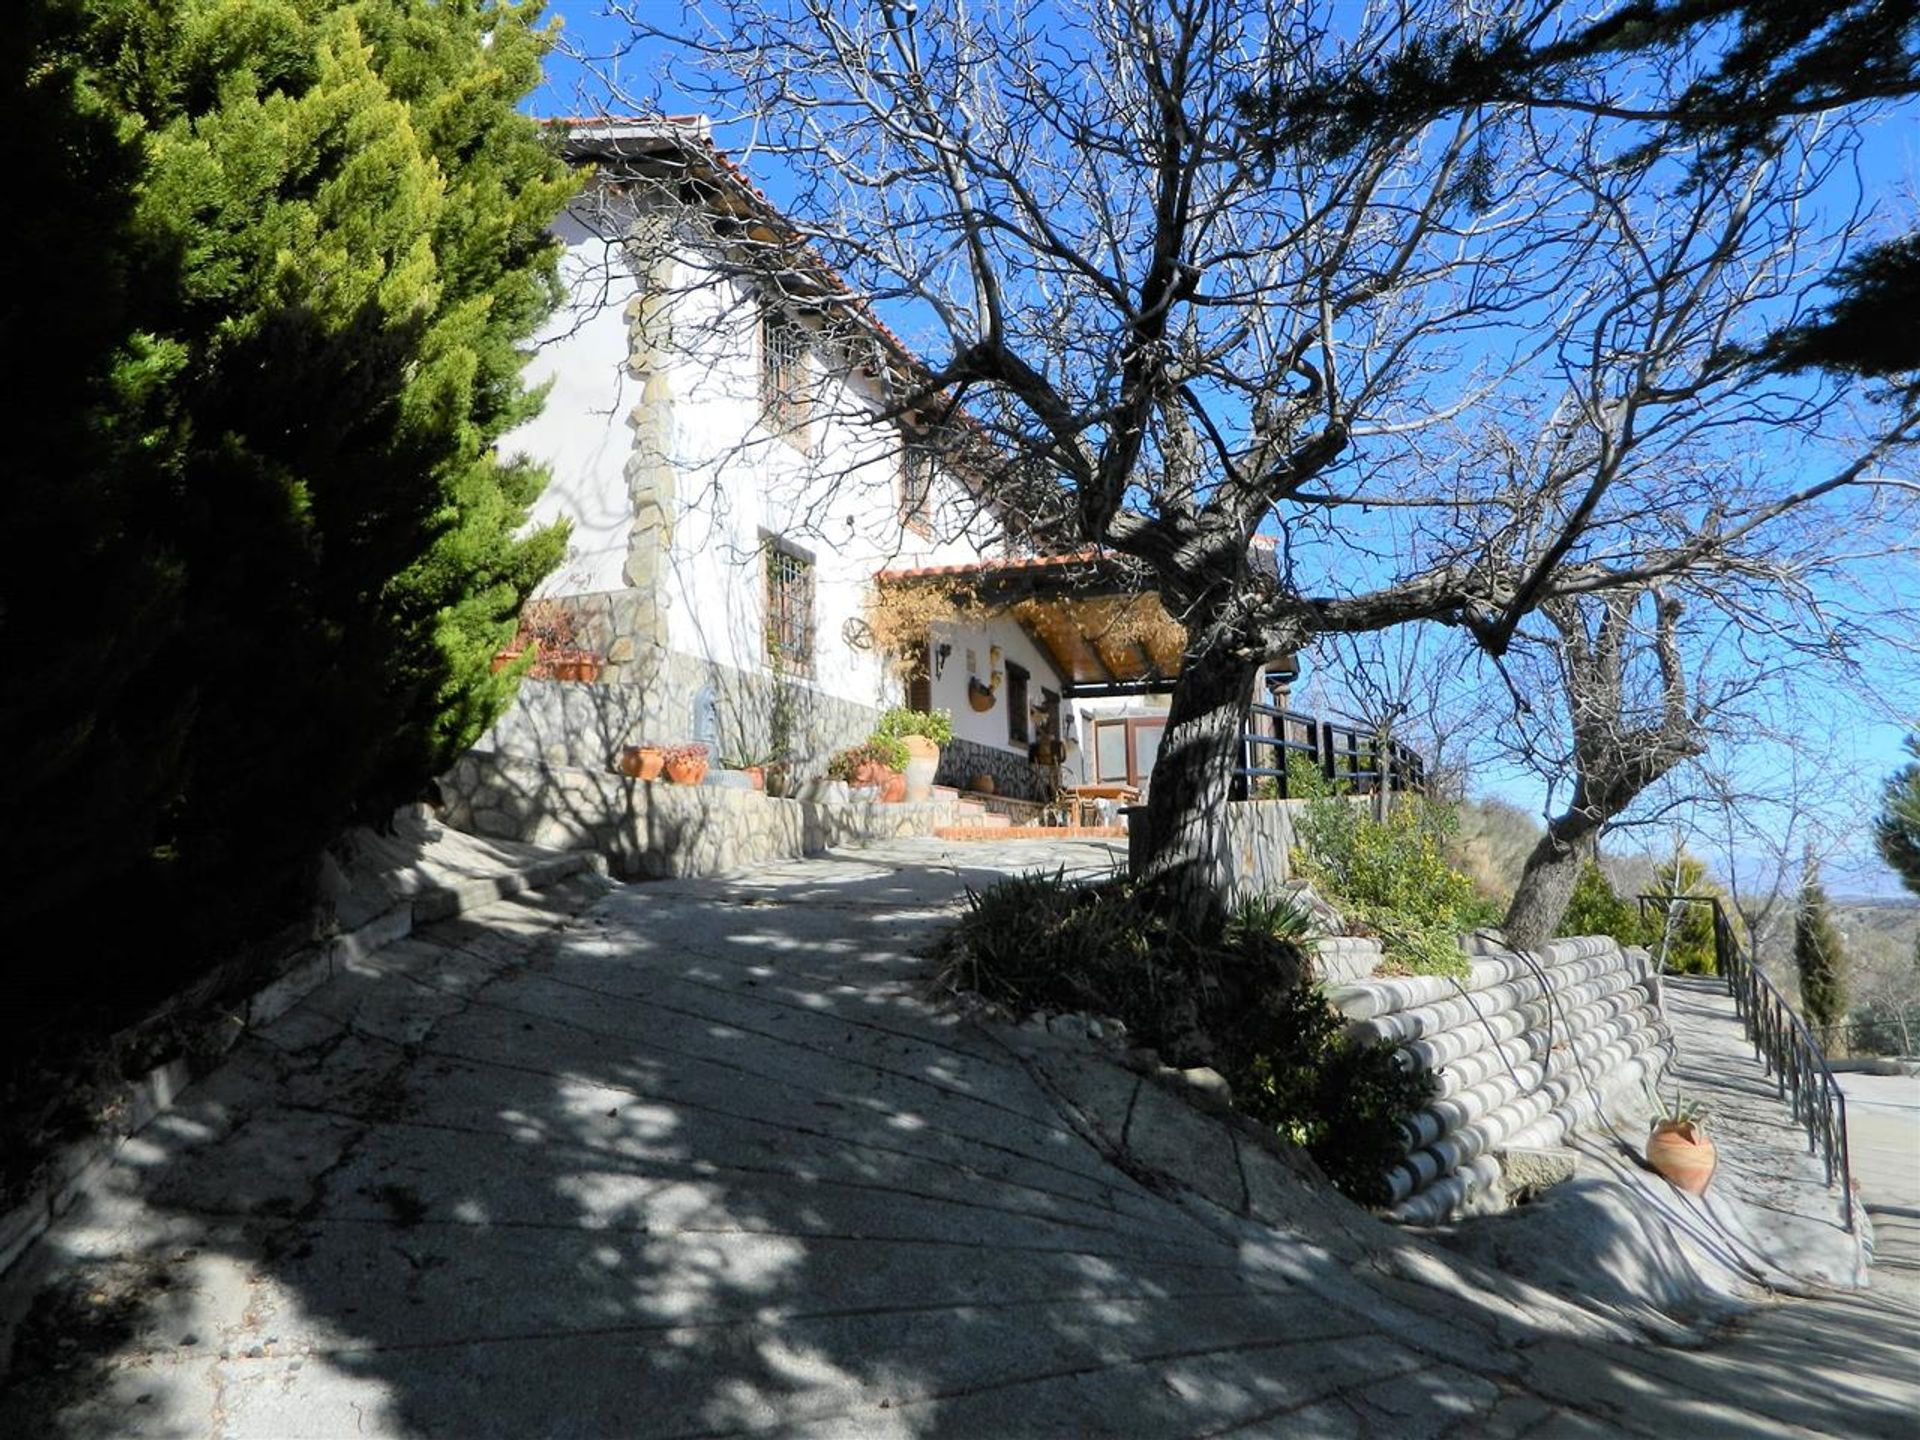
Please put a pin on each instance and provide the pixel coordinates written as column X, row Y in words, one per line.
column 1546, row 884
column 1184, row 854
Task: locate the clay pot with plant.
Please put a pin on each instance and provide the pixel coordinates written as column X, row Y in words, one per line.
column 922, row 732
column 1678, row 1147
column 878, row 763
column 685, row 764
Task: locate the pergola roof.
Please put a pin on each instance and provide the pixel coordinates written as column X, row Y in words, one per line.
column 1089, row 613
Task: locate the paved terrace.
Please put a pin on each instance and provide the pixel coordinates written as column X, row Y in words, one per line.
column 695, row 1158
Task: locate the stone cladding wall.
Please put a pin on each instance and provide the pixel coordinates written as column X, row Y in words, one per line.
column 1528, row 1048
column 651, row 829
column 668, row 699
column 1013, row 774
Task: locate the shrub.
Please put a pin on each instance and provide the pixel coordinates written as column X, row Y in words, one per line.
column 900, row 722
column 1596, row 909
column 1235, row 1000
column 1392, row 876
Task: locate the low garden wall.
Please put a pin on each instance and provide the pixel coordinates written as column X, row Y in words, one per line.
column 650, row 829
column 1259, row 844
column 1526, row 1049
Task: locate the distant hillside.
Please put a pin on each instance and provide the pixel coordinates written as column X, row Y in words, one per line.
column 1494, row 841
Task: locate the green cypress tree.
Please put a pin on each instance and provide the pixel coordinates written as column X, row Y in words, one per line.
column 1689, row 933
column 329, row 240
column 1818, row 957
column 1896, row 830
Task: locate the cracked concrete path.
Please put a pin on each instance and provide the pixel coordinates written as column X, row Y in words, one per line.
column 695, row 1158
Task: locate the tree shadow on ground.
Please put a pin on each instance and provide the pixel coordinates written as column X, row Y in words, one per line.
column 701, row 1161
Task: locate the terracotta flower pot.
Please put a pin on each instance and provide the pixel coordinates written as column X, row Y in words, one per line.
column 642, row 762
column 923, row 763
column 893, row 787
column 870, row 775
column 757, row 777
column 686, row 772
column 1682, row 1155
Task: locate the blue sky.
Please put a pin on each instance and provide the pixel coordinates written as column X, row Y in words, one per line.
column 1863, row 744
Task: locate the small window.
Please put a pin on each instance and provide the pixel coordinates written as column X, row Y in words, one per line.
column 920, row 682
column 916, row 489
column 789, row 607
column 1124, row 750
column 1019, row 725
column 783, row 373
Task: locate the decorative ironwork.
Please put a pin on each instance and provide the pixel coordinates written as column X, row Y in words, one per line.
column 789, row 607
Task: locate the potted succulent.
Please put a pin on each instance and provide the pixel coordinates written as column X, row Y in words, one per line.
column 923, row 732
column 643, row 761
column 754, row 770
column 685, row 764
column 1678, row 1147
column 879, row 763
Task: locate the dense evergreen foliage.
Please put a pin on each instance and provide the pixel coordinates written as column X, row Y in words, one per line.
column 1596, row 909
column 263, row 332
column 1818, row 957
column 1896, row 830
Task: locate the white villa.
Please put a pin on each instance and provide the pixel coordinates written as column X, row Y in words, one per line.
column 740, row 485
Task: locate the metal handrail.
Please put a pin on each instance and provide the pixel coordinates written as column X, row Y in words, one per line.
column 1338, row 752
column 1785, row 1046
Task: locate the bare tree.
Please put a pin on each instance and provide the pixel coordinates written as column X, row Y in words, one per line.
column 1199, row 336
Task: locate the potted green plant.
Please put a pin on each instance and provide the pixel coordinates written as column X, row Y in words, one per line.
column 877, row 763
column 1678, row 1147
column 923, row 732
column 755, row 770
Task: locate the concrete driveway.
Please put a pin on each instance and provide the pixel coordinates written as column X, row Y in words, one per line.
column 697, row 1159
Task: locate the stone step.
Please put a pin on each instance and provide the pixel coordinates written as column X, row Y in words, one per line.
column 1055, row 833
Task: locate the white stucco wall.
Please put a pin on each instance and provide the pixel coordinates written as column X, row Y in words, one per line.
column 835, row 498
column 950, row 684
column 582, row 434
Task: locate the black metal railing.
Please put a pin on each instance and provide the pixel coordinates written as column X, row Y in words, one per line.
column 1785, row 1046
column 1341, row 754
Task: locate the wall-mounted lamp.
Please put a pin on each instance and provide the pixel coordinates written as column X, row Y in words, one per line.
column 941, row 653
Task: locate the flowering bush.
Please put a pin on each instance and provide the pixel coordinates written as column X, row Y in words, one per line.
column 691, row 750
column 882, row 750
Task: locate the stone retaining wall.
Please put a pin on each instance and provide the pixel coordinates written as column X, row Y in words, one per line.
column 1528, row 1048
column 666, row 697
column 650, row 830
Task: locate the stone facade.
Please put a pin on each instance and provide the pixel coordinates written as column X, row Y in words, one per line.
column 651, row 830
column 670, row 698
column 1013, row 775
column 1259, row 846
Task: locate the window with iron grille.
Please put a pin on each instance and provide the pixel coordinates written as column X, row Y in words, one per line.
column 783, row 373
column 789, row 606
column 916, row 489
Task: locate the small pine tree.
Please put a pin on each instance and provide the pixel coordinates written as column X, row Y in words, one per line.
column 1596, row 909
column 1897, row 828
column 1818, row 957
column 1688, row 932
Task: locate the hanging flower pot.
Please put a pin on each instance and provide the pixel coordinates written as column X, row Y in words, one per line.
column 1680, row 1151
